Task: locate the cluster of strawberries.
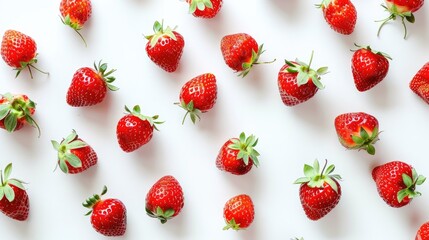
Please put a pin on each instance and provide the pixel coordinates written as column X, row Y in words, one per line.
column 320, row 190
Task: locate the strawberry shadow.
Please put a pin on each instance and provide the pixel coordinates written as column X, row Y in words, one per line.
column 381, row 94
column 20, row 229
column 289, row 8
column 313, row 112
column 148, row 157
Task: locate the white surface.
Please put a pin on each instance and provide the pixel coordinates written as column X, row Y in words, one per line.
column 289, row 137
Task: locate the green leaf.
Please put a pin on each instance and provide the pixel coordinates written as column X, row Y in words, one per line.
column 332, row 183
column 73, row 160
column 330, row 169
column 16, row 183
column 302, row 78
column 322, row 70
column 410, row 18
column 302, row 180
column 169, row 213
column 370, row 149
column 63, row 166
column 4, row 111
column 159, row 211
column 7, row 172
column 10, row 122
column 76, row 144
column 420, row 180
column 407, row 180
column 112, row 87
column 9, row 193
column 364, row 134
column 316, row 167
column 309, row 171
column 402, row 194
column 1, row 193
column 104, row 191
column 70, row 137
column 55, row 144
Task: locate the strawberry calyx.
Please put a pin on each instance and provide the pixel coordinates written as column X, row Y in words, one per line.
column 200, row 4
column 371, row 50
column 305, row 73
column 315, row 178
column 395, row 12
column 253, row 61
column 365, row 141
column 29, row 65
column 160, row 32
column 136, row 111
column 92, row 201
column 5, row 182
column 410, row 183
column 101, row 68
column 231, row 224
column 15, row 108
column 190, row 109
column 245, row 147
column 64, row 151
column 162, row 215
column 75, row 25
column 324, row 4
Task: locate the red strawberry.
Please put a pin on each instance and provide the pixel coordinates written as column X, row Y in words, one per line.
column 198, row 95
column 341, row 15
column 165, row 199
column 15, row 111
column 165, row 47
column 357, row 130
column 396, row 183
column 369, row 67
column 134, row 129
column 108, row 216
column 238, row 212
column 320, row 191
column 74, row 154
column 298, row 83
column 240, row 52
column 403, row 9
column 423, row 232
column 420, row 83
column 204, row 8
column 238, row 155
column 89, row 86
column 13, row 196
column 19, row 51
column 75, row 13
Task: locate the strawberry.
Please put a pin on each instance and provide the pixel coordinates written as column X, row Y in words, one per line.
column 403, row 9
column 74, row 154
column 108, row 216
column 15, row 111
column 420, row 83
column 320, row 191
column 204, row 8
column 198, row 95
column 238, row 212
column 341, row 15
column 357, row 130
column 75, row 13
column 19, row 51
column 396, row 183
column 14, row 200
column 89, row 86
column 240, row 52
column 423, row 232
column 237, row 155
column 369, row 67
column 297, row 82
column 134, row 129
column 165, row 47
column 165, row 199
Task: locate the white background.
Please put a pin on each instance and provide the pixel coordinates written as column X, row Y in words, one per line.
column 289, row 137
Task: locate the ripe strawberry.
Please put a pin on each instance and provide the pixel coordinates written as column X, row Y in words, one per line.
column 357, row 130
column 165, row 47
column 19, row 51
column 198, row 95
column 165, row 199
column 204, row 8
column 403, row 9
column 298, row 83
column 420, row 83
column 237, row 155
column 369, row 67
column 89, row 86
column 108, row 216
column 15, row 111
column 75, row 13
column 134, row 129
column 74, row 154
column 240, row 52
column 320, row 191
column 341, row 15
column 423, row 232
column 238, row 212
column 14, row 200
column 396, row 183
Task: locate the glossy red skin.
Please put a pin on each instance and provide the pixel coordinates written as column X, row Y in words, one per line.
column 237, row 49
column 349, row 124
column 341, row 16
column 19, row 208
column 167, row 52
column 87, row 156
column 20, row 121
column 78, row 10
column 405, row 5
column 208, row 12
column 368, row 69
column 87, row 88
column 420, row 83
column 167, row 194
column 17, row 47
column 109, row 217
column 133, row 132
column 202, row 90
column 241, row 209
column 227, row 160
column 317, row 202
column 290, row 93
column 388, row 179
column 423, row 232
